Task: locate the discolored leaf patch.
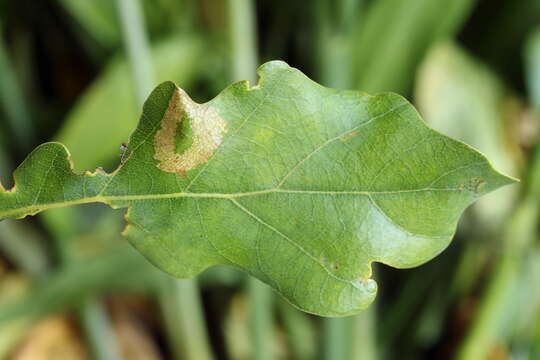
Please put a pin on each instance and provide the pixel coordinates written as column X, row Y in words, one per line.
column 189, row 134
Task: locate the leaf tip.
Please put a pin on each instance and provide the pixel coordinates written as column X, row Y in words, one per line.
column 495, row 179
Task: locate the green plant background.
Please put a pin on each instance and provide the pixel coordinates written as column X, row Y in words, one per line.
column 78, row 71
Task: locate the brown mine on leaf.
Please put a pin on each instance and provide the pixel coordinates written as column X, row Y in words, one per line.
column 207, row 130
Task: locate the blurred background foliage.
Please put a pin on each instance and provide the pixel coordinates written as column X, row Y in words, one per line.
column 77, row 71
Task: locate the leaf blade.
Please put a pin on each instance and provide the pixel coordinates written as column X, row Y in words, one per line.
column 303, row 186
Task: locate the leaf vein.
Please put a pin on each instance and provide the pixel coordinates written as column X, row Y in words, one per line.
column 329, row 141
column 292, row 242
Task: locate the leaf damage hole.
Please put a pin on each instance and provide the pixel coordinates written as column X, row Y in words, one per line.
column 190, row 133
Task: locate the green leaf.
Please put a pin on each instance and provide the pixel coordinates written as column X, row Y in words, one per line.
column 300, row 185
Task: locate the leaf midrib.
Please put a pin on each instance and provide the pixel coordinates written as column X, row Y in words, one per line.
column 111, row 198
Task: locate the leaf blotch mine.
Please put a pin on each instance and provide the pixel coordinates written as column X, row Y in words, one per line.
column 190, row 133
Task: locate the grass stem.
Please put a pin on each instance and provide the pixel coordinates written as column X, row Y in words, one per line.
column 13, row 103
column 97, row 328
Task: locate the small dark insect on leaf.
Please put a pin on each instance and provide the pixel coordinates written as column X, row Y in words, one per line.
column 123, row 149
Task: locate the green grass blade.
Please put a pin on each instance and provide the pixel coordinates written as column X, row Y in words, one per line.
column 96, row 17
column 13, row 103
column 97, row 328
column 243, row 40
column 395, row 35
column 137, row 47
column 301, row 335
column 184, row 318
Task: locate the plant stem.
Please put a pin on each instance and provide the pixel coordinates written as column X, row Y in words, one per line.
column 243, row 40
column 488, row 324
column 98, row 331
column 24, row 247
column 186, row 329
column 242, row 27
column 363, row 335
column 137, row 48
column 336, row 334
column 188, row 339
column 260, row 318
column 336, row 22
column 299, row 330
